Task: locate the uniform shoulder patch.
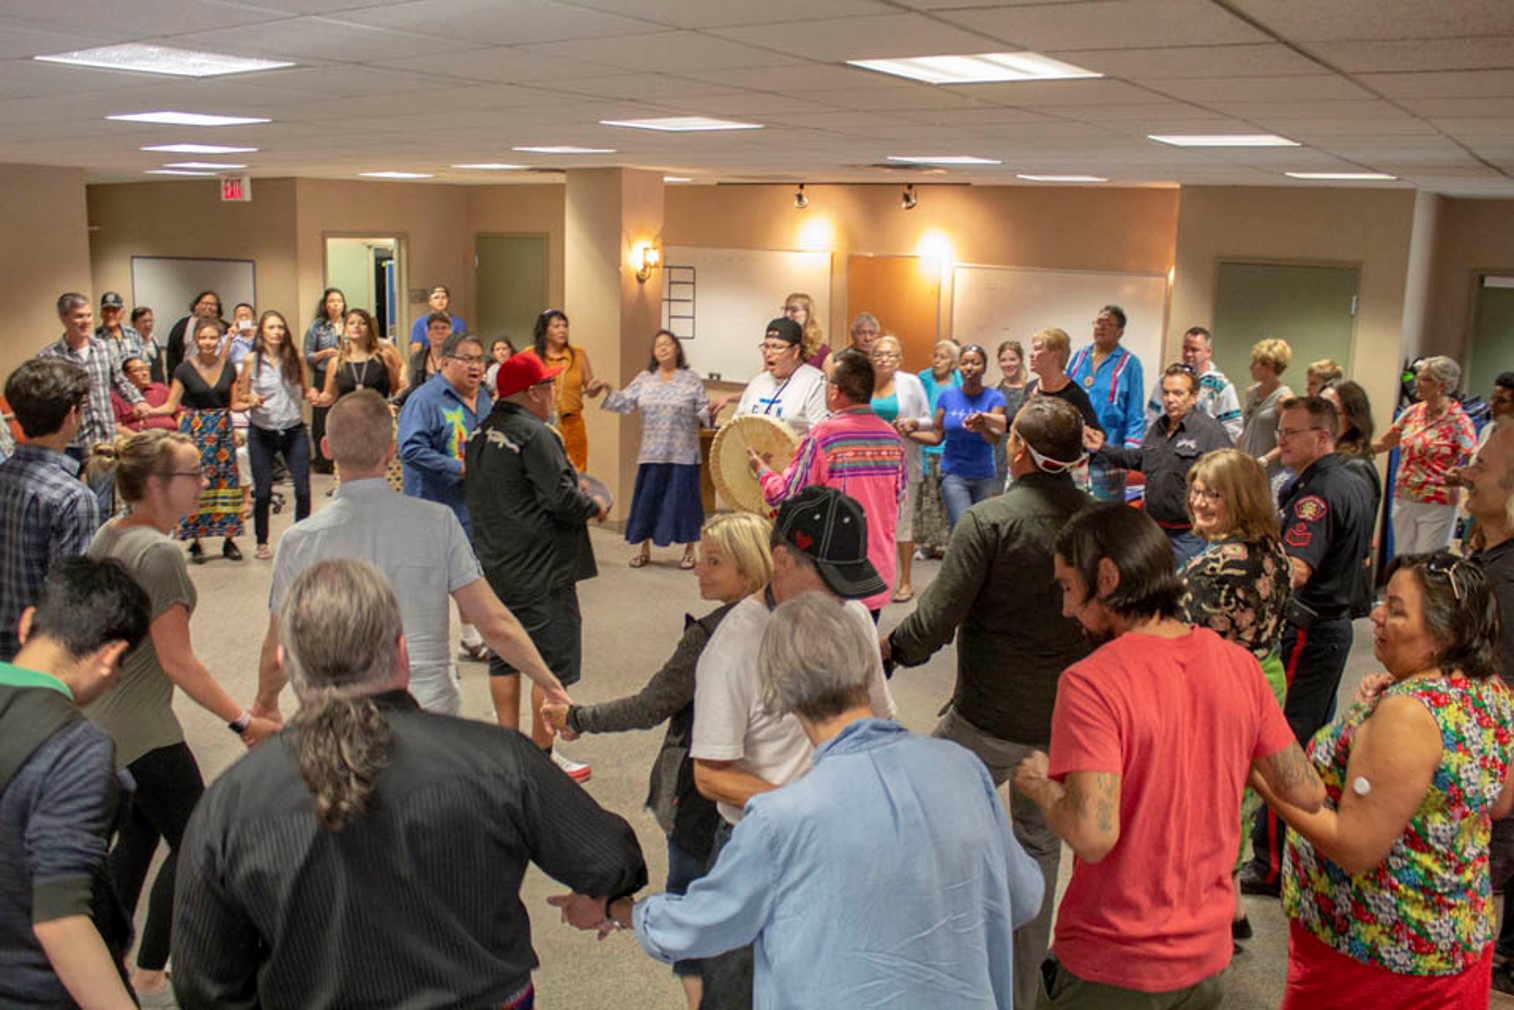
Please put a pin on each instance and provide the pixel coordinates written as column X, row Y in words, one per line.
column 1311, row 508
column 1298, row 535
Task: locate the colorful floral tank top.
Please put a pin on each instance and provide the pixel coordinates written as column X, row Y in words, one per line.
column 1427, row 909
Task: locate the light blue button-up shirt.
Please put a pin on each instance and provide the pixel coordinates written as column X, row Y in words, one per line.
column 887, row 876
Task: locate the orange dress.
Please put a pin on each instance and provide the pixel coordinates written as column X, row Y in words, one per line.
column 568, row 398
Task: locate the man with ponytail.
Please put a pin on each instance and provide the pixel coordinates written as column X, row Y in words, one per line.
column 278, row 905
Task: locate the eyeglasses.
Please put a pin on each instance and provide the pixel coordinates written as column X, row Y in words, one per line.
column 775, row 345
column 1205, row 495
column 469, row 359
column 885, row 355
column 1283, row 434
column 1446, row 565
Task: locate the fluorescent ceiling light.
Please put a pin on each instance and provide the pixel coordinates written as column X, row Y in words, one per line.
column 681, row 124
column 1222, row 140
column 980, row 68
column 567, row 149
column 1062, row 178
column 212, row 165
column 188, row 119
column 492, row 166
column 162, row 60
column 175, row 171
column 942, row 159
column 199, row 149
column 676, row 178
column 1344, row 176
column 396, row 175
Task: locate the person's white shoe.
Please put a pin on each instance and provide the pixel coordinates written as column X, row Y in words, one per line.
column 574, row 770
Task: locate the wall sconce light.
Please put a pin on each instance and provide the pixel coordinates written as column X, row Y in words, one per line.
column 908, row 200
column 648, row 258
column 800, row 200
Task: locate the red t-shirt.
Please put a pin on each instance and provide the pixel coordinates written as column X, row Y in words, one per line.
column 1179, row 720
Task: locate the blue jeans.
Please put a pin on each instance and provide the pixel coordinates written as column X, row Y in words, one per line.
column 1186, row 545
column 102, row 484
column 962, row 493
column 1106, row 481
column 262, row 444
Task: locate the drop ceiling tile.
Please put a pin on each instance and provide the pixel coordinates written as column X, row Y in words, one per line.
column 1266, row 111
column 1308, row 129
column 1458, row 107
column 1312, row 21
column 488, row 22
column 856, row 38
column 800, row 78
column 312, row 38
column 506, row 65
column 1310, row 88
column 666, row 52
column 1057, row 94
column 977, row 118
column 1495, row 52
column 27, row 78
column 161, row 17
column 1477, row 129
column 1109, row 24
column 22, row 43
column 1157, row 117
column 1445, row 84
column 904, row 98
column 1174, row 62
column 717, row 13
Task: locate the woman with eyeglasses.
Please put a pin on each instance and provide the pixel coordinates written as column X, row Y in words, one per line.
column 158, row 476
column 1434, row 437
column 1238, row 586
column 966, row 436
column 899, row 396
column 1387, row 885
column 549, row 342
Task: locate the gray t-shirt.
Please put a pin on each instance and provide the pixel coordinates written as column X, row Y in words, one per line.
column 138, row 712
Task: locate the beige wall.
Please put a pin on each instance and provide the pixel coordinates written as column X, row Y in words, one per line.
column 1368, row 229
column 46, row 255
column 522, row 209
column 1474, row 236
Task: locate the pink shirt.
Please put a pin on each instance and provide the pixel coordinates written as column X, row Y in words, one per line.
column 859, row 454
column 1180, row 720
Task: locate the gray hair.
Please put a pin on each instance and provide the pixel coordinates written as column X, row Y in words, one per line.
column 70, row 300
column 866, row 317
column 815, row 658
column 1442, row 370
column 456, row 340
column 340, row 627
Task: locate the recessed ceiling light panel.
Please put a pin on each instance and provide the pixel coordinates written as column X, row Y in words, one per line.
column 942, row 159
column 1062, row 178
column 681, row 124
column 175, row 171
column 216, row 166
column 187, row 119
column 1343, row 176
column 978, row 68
column 676, row 178
column 146, row 59
column 492, row 166
column 567, row 149
column 199, row 149
column 1222, row 140
column 396, row 175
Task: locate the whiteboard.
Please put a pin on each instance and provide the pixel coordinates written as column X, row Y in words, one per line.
column 168, row 284
column 734, row 293
column 994, row 304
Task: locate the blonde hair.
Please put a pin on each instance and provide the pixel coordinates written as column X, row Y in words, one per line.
column 1326, row 371
column 135, row 458
column 1272, row 352
column 1250, row 514
column 744, row 537
column 1055, row 340
column 814, row 336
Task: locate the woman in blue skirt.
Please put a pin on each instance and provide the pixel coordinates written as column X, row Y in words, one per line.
column 665, row 508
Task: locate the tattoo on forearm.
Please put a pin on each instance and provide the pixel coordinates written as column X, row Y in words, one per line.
column 1290, row 769
column 1099, row 805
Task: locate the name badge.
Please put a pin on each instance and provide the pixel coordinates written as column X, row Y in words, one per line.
column 1088, row 382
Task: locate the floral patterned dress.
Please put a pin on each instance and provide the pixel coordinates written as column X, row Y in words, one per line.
column 1429, row 450
column 1426, row 910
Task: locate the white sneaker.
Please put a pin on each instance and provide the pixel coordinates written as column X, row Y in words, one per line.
column 573, row 769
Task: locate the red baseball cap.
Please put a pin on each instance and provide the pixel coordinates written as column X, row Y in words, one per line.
column 521, row 372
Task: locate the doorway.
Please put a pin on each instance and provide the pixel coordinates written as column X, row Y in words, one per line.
column 510, row 285
column 1313, row 308
column 1492, row 349
column 369, row 270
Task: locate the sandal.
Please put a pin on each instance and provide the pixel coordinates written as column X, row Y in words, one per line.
column 687, row 563
column 640, row 560
column 263, row 553
column 903, row 596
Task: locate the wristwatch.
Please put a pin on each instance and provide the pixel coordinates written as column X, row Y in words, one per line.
column 240, row 723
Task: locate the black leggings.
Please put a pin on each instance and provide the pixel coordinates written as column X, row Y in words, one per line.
column 168, row 787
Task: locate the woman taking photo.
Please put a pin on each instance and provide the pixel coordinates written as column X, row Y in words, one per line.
column 665, row 507
column 202, row 387
column 323, row 341
column 1239, row 585
column 1387, row 886
column 272, row 388
column 801, row 309
column 966, row 437
column 734, row 562
column 1434, row 437
column 573, row 383
column 158, row 476
column 897, row 395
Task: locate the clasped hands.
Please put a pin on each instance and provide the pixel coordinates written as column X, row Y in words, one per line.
column 583, row 912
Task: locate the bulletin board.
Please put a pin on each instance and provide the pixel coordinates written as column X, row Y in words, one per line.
column 994, row 304
column 168, row 284
column 733, row 293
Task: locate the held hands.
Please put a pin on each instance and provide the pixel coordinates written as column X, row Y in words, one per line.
column 141, row 408
column 1031, row 775
column 555, row 715
column 1371, row 688
column 269, row 712
column 973, row 421
column 905, row 425
column 258, row 730
column 583, row 912
column 598, row 386
column 1093, row 439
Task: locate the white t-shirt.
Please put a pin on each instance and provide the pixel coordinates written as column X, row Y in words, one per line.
column 798, row 400
column 730, row 721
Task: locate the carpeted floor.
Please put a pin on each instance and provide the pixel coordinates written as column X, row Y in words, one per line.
column 632, row 621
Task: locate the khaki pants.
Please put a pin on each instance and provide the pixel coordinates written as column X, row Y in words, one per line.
column 1073, row 993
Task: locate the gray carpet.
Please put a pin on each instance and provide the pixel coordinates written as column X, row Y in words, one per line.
column 632, row 620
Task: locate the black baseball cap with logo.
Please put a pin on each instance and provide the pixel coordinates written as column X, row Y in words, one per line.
column 830, row 529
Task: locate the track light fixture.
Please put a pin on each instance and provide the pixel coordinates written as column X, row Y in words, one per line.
column 800, row 200
column 908, row 200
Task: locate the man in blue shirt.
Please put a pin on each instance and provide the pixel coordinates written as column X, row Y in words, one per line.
column 887, row 876
column 1111, row 376
column 439, row 300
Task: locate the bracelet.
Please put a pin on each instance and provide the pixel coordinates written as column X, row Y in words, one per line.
column 240, row 723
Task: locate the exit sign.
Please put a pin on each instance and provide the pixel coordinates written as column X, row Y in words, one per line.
column 237, row 188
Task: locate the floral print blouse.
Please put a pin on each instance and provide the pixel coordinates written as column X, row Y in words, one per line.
column 1428, row 450
column 1238, row 591
column 671, row 414
column 1428, row 908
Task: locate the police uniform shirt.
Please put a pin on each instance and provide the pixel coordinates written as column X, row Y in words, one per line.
column 1327, row 524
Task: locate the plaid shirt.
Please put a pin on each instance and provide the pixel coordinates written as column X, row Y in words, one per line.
column 104, row 368
column 46, row 512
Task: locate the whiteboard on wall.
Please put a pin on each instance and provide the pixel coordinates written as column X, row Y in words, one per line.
column 169, row 284
column 994, row 304
column 724, row 298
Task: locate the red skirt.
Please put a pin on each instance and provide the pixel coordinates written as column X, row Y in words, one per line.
column 1321, row 978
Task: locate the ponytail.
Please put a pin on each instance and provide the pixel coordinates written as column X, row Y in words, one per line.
column 133, row 457
column 341, row 744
